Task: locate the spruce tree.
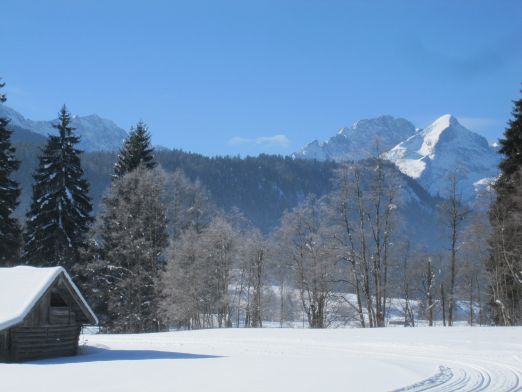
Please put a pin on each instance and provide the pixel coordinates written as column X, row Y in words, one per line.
column 136, row 151
column 505, row 264
column 10, row 233
column 59, row 217
column 133, row 243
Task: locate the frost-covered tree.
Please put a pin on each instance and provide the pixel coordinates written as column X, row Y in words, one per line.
column 187, row 297
column 505, row 263
column 59, row 217
column 136, row 151
column 308, row 246
column 188, row 204
column 10, row 233
column 133, row 244
column 219, row 242
column 249, row 278
column 198, row 276
column 256, row 257
column 363, row 208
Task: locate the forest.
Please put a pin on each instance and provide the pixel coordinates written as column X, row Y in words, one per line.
column 165, row 239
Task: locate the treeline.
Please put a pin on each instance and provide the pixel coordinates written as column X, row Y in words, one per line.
column 160, row 254
column 261, row 187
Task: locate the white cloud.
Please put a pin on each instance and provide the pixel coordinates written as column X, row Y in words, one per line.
column 280, row 140
column 237, row 141
column 274, row 141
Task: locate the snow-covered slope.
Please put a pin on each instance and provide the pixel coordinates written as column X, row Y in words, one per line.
column 97, row 134
column 445, row 147
column 274, row 360
column 360, row 141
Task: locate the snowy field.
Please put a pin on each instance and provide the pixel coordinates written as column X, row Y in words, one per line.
column 412, row 359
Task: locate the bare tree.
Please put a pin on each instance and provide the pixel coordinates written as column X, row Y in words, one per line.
column 196, row 284
column 219, row 241
column 303, row 233
column 364, row 213
column 250, row 277
column 279, row 268
column 427, row 285
column 348, row 184
column 474, row 254
column 187, row 299
column 408, row 275
column 453, row 213
column 443, row 304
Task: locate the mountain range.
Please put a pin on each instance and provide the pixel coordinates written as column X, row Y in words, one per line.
column 96, row 133
column 429, row 156
column 264, row 187
column 362, row 140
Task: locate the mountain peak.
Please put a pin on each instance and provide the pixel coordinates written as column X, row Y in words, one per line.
column 433, row 133
column 445, row 121
column 93, row 116
column 443, row 147
column 359, row 140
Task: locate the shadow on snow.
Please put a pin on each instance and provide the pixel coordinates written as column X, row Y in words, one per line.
column 98, row 354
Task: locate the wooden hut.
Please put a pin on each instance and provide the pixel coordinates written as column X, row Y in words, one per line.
column 41, row 313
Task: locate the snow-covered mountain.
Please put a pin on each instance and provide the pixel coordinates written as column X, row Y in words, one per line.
column 362, row 140
column 427, row 155
column 442, row 148
column 97, row 134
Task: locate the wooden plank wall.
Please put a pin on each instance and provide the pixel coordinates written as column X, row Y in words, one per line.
column 4, row 345
column 44, row 342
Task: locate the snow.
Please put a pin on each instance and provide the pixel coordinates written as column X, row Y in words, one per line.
column 20, row 289
column 96, row 133
column 484, row 183
column 411, row 167
column 283, row 360
column 432, row 134
column 359, row 141
column 442, row 148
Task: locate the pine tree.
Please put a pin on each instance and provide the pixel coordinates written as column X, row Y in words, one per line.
column 10, row 233
column 136, row 150
column 505, row 265
column 134, row 239
column 512, row 146
column 59, row 217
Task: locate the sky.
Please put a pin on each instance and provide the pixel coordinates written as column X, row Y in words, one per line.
column 246, row 77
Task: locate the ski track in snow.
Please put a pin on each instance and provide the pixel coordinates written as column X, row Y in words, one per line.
column 470, row 374
column 470, row 378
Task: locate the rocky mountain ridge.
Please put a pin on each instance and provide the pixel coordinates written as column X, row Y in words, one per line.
column 430, row 155
column 96, row 133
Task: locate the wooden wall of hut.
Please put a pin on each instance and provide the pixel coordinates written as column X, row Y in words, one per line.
column 51, row 329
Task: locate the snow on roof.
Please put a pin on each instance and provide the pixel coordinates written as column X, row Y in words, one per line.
column 21, row 287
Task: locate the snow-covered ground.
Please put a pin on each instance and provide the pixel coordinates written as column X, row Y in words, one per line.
column 413, row 359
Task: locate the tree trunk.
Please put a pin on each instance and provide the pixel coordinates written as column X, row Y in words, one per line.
column 443, row 304
column 471, row 315
column 429, row 292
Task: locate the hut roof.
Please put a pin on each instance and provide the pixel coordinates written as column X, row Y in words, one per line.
column 21, row 287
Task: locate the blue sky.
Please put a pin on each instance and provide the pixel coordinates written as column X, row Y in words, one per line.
column 243, row 77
